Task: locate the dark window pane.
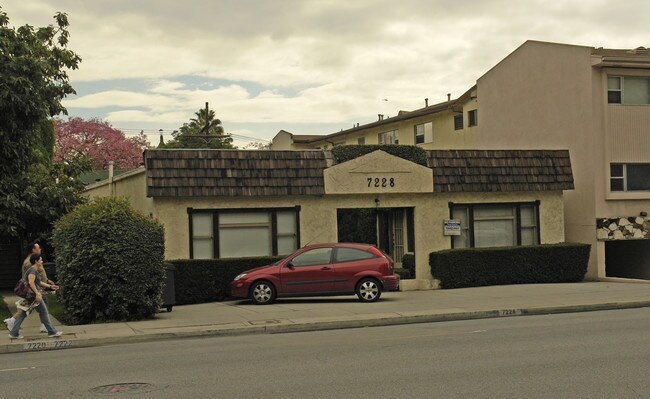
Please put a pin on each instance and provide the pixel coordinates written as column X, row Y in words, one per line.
column 419, row 139
column 352, row 254
column 317, row 256
column 458, row 122
column 638, row 177
column 616, row 185
column 616, row 170
column 472, row 117
column 614, row 97
column 361, row 140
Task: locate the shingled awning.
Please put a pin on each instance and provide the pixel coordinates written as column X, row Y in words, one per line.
column 231, row 173
column 500, row 170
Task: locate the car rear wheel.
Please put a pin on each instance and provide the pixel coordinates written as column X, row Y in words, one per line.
column 368, row 290
column 262, row 293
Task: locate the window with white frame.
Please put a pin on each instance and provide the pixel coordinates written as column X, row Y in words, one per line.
column 632, row 90
column 390, row 137
column 496, row 225
column 242, row 233
column 629, row 177
column 423, row 133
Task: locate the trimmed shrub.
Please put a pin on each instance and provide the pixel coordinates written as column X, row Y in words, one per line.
column 206, row 280
column 474, row 267
column 403, row 274
column 411, row 153
column 408, row 263
column 109, row 262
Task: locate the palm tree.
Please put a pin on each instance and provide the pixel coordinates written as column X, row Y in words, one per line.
column 204, row 131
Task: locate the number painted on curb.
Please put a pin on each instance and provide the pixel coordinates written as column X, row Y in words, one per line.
column 510, row 312
column 55, row 344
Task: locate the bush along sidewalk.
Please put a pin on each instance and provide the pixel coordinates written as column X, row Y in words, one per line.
column 474, row 267
column 206, row 280
column 4, row 312
column 109, row 262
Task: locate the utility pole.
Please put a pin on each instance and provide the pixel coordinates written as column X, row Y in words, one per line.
column 203, row 133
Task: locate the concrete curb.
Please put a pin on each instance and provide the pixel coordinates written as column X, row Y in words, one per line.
column 19, row 346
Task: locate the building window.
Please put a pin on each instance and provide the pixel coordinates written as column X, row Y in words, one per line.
column 458, row 122
column 496, row 225
column 242, row 233
column 632, row 90
column 629, row 177
column 391, row 137
column 423, row 133
column 472, row 117
column 361, row 141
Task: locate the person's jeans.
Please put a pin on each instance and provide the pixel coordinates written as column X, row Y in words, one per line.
column 42, row 314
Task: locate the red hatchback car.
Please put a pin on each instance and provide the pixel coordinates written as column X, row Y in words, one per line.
column 323, row 269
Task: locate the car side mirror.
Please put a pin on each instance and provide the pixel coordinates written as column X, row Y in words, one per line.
column 289, row 265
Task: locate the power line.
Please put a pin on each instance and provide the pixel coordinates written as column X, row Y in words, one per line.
column 169, row 132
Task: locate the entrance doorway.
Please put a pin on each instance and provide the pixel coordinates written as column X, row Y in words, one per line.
column 628, row 259
column 390, row 229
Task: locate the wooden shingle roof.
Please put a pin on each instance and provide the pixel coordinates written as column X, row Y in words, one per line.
column 500, row 170
column 231, row 173
column 211, row 173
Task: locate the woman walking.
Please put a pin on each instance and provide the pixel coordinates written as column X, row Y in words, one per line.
column 33, row 278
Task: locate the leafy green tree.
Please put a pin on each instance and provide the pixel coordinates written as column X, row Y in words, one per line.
column 33, row 81
column 204, row 131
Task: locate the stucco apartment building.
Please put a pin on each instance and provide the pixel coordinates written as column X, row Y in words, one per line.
column 594, row 102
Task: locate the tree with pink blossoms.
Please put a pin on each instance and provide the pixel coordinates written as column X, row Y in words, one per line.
column 99, row 142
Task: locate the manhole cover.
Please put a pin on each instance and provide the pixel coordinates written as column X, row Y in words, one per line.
column 123, row 388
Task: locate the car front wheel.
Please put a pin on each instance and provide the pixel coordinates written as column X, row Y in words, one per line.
column 368, row 290
column 262, row 293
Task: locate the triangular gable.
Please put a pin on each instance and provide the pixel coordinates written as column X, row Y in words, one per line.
column 378, row 173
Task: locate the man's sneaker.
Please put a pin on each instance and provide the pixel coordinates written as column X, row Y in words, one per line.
column 43, row 329
column 10, row 323
column 16, row 337
column 56, row 334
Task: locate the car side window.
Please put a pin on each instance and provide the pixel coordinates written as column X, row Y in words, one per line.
column 316, row 256
column 352, row 254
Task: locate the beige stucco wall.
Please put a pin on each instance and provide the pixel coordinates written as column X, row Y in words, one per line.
column 541, row 97
column 548, row 96
column 132, row 185
column 318, row 217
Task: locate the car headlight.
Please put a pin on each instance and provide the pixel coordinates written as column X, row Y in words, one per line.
column 240, row 276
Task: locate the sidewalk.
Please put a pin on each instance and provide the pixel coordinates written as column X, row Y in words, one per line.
column 310, row 314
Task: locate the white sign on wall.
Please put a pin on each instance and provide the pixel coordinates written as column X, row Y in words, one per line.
column 451, row 227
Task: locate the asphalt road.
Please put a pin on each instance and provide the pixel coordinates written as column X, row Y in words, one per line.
column 582, row 355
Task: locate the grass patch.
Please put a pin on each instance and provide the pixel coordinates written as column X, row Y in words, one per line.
column 4, row 312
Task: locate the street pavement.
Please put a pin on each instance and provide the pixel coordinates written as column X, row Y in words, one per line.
column 326, row 313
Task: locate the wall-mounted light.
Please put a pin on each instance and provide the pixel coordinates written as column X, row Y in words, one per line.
column 377, row 202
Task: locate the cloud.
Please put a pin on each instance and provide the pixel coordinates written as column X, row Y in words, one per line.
column 309, row 61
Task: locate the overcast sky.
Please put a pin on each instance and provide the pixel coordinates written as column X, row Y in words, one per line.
column 309, row 67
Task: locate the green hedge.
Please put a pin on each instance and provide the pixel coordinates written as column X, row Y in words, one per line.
column 206, row 280
column 411, row 153
column 404, row 274
column 109, row 262
column 474, row 267
column 408, row 263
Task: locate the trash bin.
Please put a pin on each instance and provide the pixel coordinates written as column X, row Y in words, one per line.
column 169, row 290
column 50, row 269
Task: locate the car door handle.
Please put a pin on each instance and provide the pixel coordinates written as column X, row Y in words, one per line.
column 326, row 268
